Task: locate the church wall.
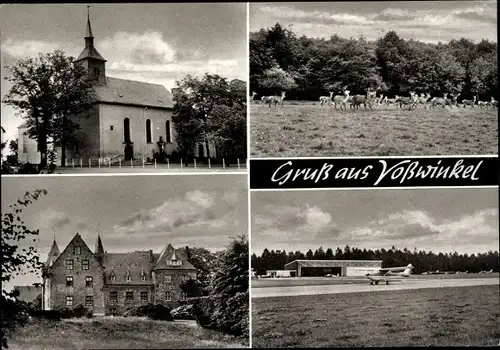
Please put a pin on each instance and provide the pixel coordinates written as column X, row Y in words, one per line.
column 27, row 148
column 163, row 286
column 59, row 290
column 113, row 141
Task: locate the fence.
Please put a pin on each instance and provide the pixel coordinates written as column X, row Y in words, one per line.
column 108, row 162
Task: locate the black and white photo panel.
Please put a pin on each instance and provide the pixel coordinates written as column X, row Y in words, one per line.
column 121, row 262
column 383, row 268
column 398, row 78
column 124, row 88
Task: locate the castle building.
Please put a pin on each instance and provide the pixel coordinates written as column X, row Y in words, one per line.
column 129, row 120
column 110, row 283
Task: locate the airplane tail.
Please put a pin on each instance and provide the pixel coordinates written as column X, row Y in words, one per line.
column 407, row 271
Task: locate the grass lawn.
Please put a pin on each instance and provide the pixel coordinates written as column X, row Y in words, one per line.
column 459, row 316
column 116, row 333
column 305, row 129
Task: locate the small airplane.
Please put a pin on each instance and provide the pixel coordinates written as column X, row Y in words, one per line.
column 388, row 274
column 491, row 271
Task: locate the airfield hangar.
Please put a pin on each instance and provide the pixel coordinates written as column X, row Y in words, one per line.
column 306, row 268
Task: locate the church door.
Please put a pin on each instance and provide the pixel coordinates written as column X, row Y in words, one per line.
column 129, row 151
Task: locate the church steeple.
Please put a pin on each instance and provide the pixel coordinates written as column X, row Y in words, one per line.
column 99, row 250
column 90, row 58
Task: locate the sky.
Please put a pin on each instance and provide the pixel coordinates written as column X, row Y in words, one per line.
column 428, row 21
column 155, row 43
column 442, row 220
column 132, row 212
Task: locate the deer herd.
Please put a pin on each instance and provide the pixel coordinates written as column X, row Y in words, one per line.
column 372, row 100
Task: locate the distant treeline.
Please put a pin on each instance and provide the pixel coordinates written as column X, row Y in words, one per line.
column 307, row 68
column 422, row 261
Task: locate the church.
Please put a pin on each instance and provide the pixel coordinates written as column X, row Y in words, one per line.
column 110, row 283
column 130, row 119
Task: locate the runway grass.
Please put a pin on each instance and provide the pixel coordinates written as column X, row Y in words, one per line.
column 320, row 281
column 306, row 129
column 459, row 316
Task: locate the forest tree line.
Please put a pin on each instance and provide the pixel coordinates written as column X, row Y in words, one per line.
column 422, row 261
column 307, row 68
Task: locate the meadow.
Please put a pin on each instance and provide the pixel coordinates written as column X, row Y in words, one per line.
column 459, row 316
column 116, row 333
column 307, row 129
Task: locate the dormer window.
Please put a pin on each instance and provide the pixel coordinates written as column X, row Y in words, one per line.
column 113, row 277
column 77, row 250
column 143, row 276
column 174, row 262
column 128, row 277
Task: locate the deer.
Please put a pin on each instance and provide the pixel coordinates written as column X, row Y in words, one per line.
column 265, row 99
column 342, row 100
column 469, row 102
column 423, row 99
column 483, row 104
column 326, row 99
column 253, row 96
column 389, row 101
column 439, row 101
column 408, row 101
column 453, row 100
column 364, row 99
column 493, row 102
column 277, row 100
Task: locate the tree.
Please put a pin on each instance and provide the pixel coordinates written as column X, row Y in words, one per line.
column 48, row 91
column 276, row 79
column 15, row 260
column 12, row 157
column 210, row 109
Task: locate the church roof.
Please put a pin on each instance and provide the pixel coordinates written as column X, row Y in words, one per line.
column 134, row 264
column 90, row 52
column 130, row 92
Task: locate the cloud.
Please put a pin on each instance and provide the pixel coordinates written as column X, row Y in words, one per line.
column 28, row 48
column 146, row 48
column 50, row 219
column 196, row 208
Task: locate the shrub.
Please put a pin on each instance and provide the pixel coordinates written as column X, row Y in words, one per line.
column 183, row 312
column 152, row 311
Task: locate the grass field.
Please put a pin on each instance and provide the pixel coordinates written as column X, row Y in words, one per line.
column 116, row 333
column 459, row 316
column 309, row 281
column 306, row 129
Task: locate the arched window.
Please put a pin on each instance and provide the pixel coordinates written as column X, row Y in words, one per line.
column 168, row 131
column 148, row 131
column 126, row 130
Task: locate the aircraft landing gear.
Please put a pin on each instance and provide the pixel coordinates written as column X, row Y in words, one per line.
column 376, row 282
column 371, row 283
column 386, row 282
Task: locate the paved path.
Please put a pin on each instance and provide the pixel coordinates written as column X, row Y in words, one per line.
column 412, row 283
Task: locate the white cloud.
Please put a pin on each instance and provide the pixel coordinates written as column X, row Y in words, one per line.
column 203, row 199
column 28, row 48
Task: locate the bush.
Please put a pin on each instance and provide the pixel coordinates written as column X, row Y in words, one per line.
column 183, row 312
column 53, row 315
column 152, row 311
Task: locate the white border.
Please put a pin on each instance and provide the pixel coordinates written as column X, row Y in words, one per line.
column 367, row 188
column 249, row 202
column 380, row 157
column 175, row 173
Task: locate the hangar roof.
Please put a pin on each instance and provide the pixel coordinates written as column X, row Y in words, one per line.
column 334, row 263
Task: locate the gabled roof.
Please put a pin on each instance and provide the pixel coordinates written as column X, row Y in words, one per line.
column 170, row 252
column 134, row 264
column 122, row 91
column 90, row 52
column 28, row 293
column 79, row 240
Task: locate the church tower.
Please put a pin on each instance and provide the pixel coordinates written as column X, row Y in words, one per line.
column 90, row 59
column 53, row 254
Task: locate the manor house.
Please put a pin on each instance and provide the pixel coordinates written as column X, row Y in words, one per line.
column 130, row 119
column 109, row 283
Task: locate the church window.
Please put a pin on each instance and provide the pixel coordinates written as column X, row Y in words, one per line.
column 113, row 278
column 128, row 278
column 113, row 297
column 126, row 130
column 69, row 281
column 184, row 296
column 144, row 297
column 129, row 297
column 143, row 277
column 168, row 279
column 69, row 264
column 89, row 300
column 25, row 143
column 69, row 300
column 89, row 281
column 168, row 295
column 148, row 131
column 77, row 250
column 85, row 264
column 168, row 131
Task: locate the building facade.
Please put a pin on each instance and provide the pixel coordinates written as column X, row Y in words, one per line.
column 110, row 283
column 129, row 119
column 304, row 268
